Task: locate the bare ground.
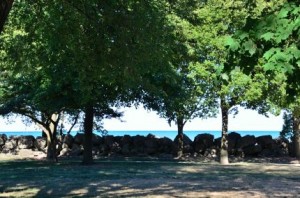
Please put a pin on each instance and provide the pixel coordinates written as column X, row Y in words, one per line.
column 21, row 176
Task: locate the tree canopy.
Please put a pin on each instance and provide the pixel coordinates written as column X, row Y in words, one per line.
column 184, row 59
column 65, row 56
column 272, row 43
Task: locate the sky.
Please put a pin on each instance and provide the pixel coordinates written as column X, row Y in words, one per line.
column 140, row 119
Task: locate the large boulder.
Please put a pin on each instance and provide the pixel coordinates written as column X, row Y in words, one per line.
column 110, row 146
column 252, row 150
column 3, row 139
column 138, row 142
column 126, row 144
column 79, row 138
column 40, row 143
column 233, row 139
column 97, row 140
column 76, row 150
column 245, row 141
column 68, row 140
column 165, row 145
column 10, row 145
column 266, row 141
column 217, row 142
column 202, row 142
column 64, row 152
column 26, row 142
column 151, row 144
column 282, row 146
column 187, row 144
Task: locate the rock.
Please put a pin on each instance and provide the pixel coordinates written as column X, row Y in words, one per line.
column 187, row 144
column 138, row 144
column 65, row 152
column 97, row 140
column 110, row 146
column 59, row 147
column 217, row 142
column 248, row 140
column 252, row 150
column 79, row 138
column 60, row 138
column 76, row 150
column 268, row 153
column 282, row 145
column 115, row 148
column 109, row 140
column 265, row 141
column 64, row 145
column 165, row 145
column 40, row 143
column 233, row 139
column 68, row 141
column 3, row 139
column 151, row 145
column 10, row 145
column 203, row 142
column 126, row 144
column 26, row 142
column 210, row 153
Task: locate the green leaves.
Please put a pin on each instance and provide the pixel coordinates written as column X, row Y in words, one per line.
column 267, row 36
column 232, row 43
column 250, row 46
column 276, row 36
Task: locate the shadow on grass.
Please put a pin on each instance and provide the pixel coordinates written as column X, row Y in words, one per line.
column 140, row 177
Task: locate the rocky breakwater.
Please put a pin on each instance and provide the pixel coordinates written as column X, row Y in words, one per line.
column 203, row 145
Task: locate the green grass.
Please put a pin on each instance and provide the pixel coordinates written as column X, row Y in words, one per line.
column 135, row 177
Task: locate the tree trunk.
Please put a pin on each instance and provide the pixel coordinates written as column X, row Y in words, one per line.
column 51, row 150
column 296, row 130
column 51, row 138
column 5, row 8
column 224, row 140
column 180, row 143
column 88, row 134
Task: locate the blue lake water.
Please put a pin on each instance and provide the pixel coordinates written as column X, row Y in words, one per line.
column 169, row 134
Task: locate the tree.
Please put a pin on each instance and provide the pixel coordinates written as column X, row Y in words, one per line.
column 88, row 56
column 230, row 87
column 175, row 93
column 275, row 47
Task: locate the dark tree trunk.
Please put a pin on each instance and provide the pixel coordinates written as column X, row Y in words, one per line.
column 5, row 8
column 51, row 150
column 296, row 129
column 224, row 140
column 88, row 133
column 180, row 125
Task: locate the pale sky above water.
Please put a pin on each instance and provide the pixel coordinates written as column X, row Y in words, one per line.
column 142, row 120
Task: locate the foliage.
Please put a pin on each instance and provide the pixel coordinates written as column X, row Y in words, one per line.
column 275, row 48
column 78, row 56
column 287, row 129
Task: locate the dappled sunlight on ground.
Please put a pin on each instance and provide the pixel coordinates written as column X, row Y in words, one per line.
column 130, row 178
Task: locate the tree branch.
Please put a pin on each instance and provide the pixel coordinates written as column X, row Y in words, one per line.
column 5, row 8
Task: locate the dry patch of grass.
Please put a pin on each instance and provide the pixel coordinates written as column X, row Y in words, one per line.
column 146, row 178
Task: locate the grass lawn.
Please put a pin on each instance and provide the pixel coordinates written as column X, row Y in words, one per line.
column 146, row 178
